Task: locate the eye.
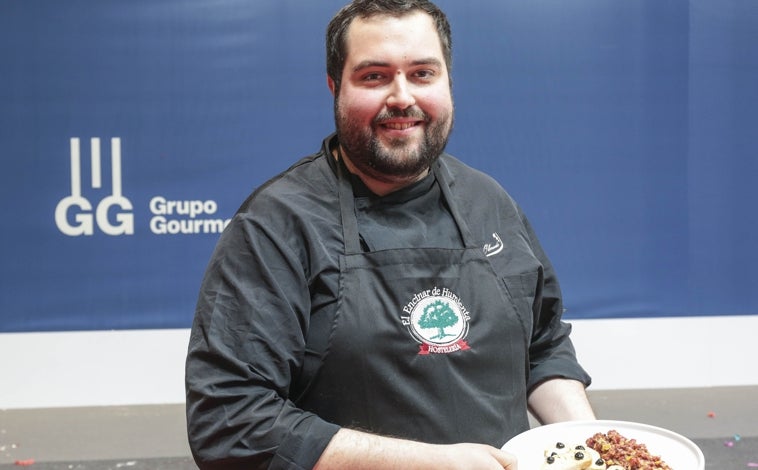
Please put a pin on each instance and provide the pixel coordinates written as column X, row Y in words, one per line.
column 372, row 77
column 425, row 74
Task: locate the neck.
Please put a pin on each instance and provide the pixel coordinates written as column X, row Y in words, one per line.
column 381, row 186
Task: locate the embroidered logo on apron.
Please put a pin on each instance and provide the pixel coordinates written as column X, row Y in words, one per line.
column 437, row 319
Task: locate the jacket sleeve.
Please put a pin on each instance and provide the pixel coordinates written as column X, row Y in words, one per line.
column 551, row 353
column 246, row 347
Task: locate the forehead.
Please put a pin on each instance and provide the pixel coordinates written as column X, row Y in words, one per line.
column 383, row 37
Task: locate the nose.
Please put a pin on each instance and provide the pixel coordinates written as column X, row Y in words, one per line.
column 401, row 95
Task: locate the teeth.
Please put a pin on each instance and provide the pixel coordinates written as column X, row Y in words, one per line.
column 399, row 125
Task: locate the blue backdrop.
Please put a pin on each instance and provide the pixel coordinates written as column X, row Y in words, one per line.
column 130, row 131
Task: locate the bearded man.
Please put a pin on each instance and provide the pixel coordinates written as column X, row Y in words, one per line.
column 379, row 304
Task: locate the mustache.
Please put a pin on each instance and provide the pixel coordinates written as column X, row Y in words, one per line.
column 414, row 113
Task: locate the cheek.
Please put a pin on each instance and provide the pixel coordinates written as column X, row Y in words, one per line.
column 360, row 106
column 435, row 102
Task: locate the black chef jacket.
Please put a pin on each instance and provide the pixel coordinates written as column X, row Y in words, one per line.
column 273, row 281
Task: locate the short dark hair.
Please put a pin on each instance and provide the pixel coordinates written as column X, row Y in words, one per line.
column 336, row 32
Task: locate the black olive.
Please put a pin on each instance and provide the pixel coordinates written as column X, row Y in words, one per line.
column 579, row 456
column 579, row 447
column 560, row 445
column 550, row 459
column 599, row 462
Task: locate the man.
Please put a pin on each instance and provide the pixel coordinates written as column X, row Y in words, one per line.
column 379, row 304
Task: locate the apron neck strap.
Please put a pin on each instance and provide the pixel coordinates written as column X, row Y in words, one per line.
column 350, row 233
column 443, row 179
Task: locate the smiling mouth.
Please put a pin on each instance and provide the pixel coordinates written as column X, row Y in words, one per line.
column 399, row 126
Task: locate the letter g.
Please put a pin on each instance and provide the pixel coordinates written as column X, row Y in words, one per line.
column 84, row 220
column 126, row 219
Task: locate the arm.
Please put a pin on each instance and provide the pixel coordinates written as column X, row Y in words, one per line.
column 246, row 345
column 556, row 400
column 557, row 382
column 361, row 451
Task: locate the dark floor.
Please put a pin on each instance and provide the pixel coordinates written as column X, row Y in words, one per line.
column 722, row 421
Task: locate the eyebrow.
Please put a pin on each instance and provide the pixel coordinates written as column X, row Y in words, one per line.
column 377, row 63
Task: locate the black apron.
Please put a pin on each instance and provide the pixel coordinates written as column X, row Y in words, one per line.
column 425, row 343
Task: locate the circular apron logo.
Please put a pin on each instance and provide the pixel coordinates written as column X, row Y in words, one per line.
column 438, row 320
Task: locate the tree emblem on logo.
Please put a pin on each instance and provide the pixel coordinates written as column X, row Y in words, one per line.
column 440, row 315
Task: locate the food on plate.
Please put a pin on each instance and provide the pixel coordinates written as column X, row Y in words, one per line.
column 572, row 457
column 626, row 453
column 609, row 451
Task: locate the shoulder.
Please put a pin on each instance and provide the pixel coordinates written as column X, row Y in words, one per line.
column 306, row 183
column 292, row 219
column 473, row 187
column 291, row 209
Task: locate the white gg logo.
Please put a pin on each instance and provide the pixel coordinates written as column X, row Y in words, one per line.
column 83, row 222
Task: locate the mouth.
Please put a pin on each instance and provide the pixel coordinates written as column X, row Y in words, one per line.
column 400, row 125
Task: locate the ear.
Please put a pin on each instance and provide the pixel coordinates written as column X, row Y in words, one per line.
column 330, row 84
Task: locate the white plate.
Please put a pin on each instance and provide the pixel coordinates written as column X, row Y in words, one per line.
column 676, row 450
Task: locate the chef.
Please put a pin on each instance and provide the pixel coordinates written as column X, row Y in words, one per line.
column 380, row 304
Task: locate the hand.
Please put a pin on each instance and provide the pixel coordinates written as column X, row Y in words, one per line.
column 478, row 456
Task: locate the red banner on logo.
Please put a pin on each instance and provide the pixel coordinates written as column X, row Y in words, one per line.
column 425, row 348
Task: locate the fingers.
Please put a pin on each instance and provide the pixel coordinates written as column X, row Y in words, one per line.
column 507, row 460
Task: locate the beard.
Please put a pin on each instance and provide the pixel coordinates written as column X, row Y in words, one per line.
column 396, row 159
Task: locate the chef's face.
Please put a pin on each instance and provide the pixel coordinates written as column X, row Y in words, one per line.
column 394, row 109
